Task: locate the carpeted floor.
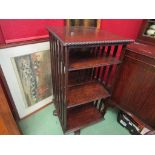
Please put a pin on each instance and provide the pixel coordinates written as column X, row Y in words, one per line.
column 44, row 123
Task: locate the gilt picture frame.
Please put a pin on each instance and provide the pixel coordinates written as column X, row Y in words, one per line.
column 83, row 22
column 27, row 70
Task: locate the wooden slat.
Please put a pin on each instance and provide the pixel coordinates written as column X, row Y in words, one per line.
column 118, row 69
column 108, row 75
column 108, row 51
column 66, row 64
column 115, row 51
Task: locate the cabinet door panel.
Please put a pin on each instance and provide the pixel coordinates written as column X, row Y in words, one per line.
column 147, row 112
column 134, row 89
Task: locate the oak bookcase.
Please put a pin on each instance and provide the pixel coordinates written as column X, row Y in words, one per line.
column 83, row 63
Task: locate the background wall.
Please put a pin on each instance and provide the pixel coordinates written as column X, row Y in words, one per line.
column 1, row 36
column 125, row 27
column 13, row 30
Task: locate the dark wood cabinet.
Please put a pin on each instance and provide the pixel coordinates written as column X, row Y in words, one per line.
column 83, row 60
column 8, row 125
column 134, row 89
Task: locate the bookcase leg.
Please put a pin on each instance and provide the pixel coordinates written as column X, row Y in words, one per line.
column 55, row 113
column 77, row 132
column 106, row 106
column 105, row 109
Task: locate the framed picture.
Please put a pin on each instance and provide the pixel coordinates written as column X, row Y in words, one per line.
column 83, row 22
column 27, row 69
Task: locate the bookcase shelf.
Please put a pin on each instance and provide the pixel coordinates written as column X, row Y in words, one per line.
column 83, row 62
column 82, row 116
column 91, row 62
column 85, row 93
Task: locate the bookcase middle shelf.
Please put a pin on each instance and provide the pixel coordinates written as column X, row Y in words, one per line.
column 86, row 92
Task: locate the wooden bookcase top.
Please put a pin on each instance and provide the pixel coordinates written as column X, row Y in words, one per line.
column 81, row 35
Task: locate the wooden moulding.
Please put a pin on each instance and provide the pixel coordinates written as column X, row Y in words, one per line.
column 23, row 43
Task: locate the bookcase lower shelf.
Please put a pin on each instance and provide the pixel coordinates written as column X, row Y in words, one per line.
column 82, row 116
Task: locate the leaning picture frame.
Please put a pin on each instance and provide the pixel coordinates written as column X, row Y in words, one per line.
column 27, row 70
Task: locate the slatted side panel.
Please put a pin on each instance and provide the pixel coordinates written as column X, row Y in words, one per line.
column 106, row 74
column 58, row 77
column 98, row 73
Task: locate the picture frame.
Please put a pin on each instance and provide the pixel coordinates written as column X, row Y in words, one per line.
column 23, row 67
column 83, row 22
